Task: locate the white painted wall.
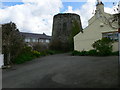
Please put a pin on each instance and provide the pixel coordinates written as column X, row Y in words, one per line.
column 84, row 41
column 92, row 33
column 1, row 60
column 115, row 46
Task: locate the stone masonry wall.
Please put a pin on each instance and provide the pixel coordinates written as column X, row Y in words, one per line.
column 65, row 27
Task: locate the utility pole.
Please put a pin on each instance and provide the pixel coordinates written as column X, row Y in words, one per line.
column 118, row 18
column 1, row 55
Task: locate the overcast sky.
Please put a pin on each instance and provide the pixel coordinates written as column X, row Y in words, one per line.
column 36, row 16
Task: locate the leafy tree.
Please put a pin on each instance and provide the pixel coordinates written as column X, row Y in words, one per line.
column 116, row 16
column 103, row 46
column 12, row 42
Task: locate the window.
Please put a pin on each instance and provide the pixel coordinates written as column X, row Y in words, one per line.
column 34, row 40
column 40, row 40
column 111, row 35
column 47, row 41
column 27, row 40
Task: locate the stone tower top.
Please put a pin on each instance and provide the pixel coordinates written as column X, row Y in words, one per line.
column 65, row 14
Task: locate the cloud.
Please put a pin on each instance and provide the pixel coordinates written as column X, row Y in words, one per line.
column 86, row 11
column 37, row 15
column 33, row 16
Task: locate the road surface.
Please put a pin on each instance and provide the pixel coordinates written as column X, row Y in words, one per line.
column 64, row 71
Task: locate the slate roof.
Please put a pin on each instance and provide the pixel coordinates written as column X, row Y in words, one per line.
column 37, row 36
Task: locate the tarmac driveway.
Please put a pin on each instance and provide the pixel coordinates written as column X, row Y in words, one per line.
column 64, row 71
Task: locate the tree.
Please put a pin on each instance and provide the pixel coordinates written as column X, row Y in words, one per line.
column 12, row 42
column 116, row 16
column 103, row 46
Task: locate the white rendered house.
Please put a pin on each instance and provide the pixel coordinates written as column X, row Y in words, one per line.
column 99, row 26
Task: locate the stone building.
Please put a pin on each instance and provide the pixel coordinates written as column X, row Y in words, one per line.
column 65, row 27
column 100, row 26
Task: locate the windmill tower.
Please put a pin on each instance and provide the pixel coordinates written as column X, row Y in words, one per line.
column 65, row 27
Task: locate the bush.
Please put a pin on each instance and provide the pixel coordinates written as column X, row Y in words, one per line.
column 103, row 46
column 23, row 58
column 92, row 53
column 40, row 47
column 82, row 53
column 43, row 53
column 75, row 53
column 36, row 53
column 116, row 53
column 50, row 52
column 26, row 55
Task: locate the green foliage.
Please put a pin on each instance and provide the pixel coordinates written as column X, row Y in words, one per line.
column 26, row 49
column 57, row 46
column 40, row 47
column 36, row 53
column 23, row 58
column 26, row 55
column 82, row 53
column 103, row 46
column 75, row 53
column 75, row 31
column 92, row 53
column 115, row 53
column 12, row 42
column 75, row 28
column 51, row 52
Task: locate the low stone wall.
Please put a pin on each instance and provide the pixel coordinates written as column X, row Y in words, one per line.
column 1, row 60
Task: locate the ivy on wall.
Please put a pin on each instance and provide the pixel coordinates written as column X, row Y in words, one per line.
column 75, row 30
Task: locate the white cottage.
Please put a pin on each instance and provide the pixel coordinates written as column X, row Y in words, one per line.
column 98, row 26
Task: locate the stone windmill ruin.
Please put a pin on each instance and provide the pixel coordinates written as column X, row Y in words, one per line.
column 65, row 27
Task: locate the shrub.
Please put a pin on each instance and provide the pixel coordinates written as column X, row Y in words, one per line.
column 36, row 53
column 26, row 55
column 103, row 46
column 82, row 53
column 43, row 53
column 40, row 47
column 23, row 58
column 75, row 53
column 50, row 52
column 116, row 53
column 92, row 53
